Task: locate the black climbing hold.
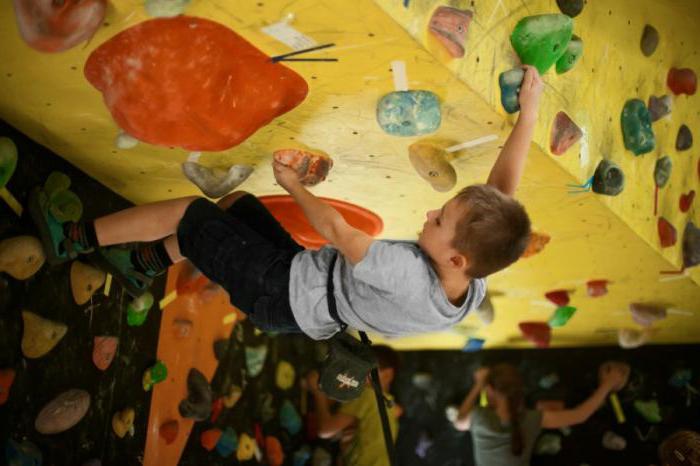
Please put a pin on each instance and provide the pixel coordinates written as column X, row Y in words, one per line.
column 650, row 40
column 684, row 140
column 570, row 8
column 659, row 107
column 691, row 245
column 198, row 403
column 662, row 171
column 608, row 179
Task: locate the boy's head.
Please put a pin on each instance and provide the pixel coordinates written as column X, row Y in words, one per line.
column 480, row 230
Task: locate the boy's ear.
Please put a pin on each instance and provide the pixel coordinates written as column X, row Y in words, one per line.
column 460, row 261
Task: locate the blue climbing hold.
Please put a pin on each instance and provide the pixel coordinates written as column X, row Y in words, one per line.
column 289, row 418
column 473, row 344
column 409, row 113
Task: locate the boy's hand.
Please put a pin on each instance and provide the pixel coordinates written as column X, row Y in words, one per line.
column 530, row 92
column 285, row 176
column 614, row 375
column 481, row 375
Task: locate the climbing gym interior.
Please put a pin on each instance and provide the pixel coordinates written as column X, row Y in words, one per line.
column 384, row 110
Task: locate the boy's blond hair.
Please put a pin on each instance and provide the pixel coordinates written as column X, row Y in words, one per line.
column 493, row 232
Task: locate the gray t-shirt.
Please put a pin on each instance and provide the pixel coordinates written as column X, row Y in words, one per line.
column 392, row 291
column 491, row 437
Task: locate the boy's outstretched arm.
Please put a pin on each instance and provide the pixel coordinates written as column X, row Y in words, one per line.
column 506, row 172
column 350, row 241
column 463, row 420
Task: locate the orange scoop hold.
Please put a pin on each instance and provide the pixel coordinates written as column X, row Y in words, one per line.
column 311, row 167
column 191, row 83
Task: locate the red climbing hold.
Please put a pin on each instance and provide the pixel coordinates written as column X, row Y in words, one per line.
column 597, row 288
column 191, row 83
column 7, row 377
column 667, row 233
column 558, row 297
column 537, row 332
column 686, row 201
column 565, row 133
column 450, row 25
column 682, row 81
column 168, row 431
column 216, row 408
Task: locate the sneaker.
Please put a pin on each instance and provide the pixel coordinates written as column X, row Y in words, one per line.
column 57, row 246
column 117, row 261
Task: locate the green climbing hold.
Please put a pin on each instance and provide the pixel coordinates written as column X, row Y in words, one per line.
column 608, row 179
column 55, row 183
column 662, row 171
column 541, row 40
column 561, row 316
column 509, row 82
column 8, row 160
column 153, row 375
column 65, row 206
column 573, row 52
column 137, row 310
column 636, row 127
column 649, row 410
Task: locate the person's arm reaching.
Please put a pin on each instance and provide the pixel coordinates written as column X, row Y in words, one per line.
column 508, row 169
column 328, row 424
column 350, row 241
column 581, row 413
column 463, row 417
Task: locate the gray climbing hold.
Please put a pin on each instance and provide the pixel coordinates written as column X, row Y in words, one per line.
column 570, row 8
column 216, row 182
column 684, row 139
column 608, row 179
column 125, row 141
column 509, row 82
column 691, row 245
column 662, row 171
column 659, row 107
column 650, row 39
column 198, row 403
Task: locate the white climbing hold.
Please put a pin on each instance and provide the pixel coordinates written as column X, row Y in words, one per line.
column 216, row 182
column 125, row 141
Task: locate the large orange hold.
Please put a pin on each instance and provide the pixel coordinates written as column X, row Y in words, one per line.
column 191, row 83
column 292, row 218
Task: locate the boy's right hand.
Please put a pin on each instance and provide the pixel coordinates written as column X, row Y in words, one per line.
column 285, row 176
column 530, row 92
column 614, row 375
column 480, row 376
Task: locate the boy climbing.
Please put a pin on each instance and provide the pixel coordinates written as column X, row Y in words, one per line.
column 392, row 288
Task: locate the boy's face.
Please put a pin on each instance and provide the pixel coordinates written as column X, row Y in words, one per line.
column 439, row 231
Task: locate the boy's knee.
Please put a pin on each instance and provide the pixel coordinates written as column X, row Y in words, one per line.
column 228, row 200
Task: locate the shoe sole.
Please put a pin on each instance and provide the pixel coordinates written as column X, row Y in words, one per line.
column 103, row 263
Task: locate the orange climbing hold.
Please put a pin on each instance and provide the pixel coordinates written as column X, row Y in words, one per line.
column 682, row 81
column 274, row 451
column 292, row 218
column 210, row 438
column 536, row 243
column 190, row 82
column 311, row 167
column 597, row 288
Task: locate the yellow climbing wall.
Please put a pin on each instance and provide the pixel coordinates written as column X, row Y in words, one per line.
column 47, row 97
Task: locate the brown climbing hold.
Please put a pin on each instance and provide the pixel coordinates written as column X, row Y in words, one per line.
column 539, row 333
column 432, row 164
column 536, row 244
column 311, row 167
column 450, row 25
column 571, row 8
column 691, row 245
column 40, row 335
column 682, row 81
column 123, row 422
column 84, row 281
column 650, row 40
column 21, row 256
column 684, row 138
column 629, row 338
column 169, row 430
column 686, row 201
column 104, row 349
column 667, row 233
column 659, row 107
column 63, row 412
column 597, row 288
column 646, row 314
column 565, row 133
column 182, row 328
column 7, row 378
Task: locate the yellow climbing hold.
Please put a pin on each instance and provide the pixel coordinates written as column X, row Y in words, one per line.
column 40, row 335
column 21, row 256
column 285, row 375
column 246, row 447
column 84, row 281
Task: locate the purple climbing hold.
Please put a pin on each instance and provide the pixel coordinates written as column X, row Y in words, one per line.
column 684, row 139
column 659, row 107
column 565, row 133
column 650, row 40
column 450, row 25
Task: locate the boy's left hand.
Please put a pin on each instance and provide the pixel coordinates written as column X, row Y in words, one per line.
column 530, row 92
column 285, row 176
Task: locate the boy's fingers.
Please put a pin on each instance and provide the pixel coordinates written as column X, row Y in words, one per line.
column 527, row 80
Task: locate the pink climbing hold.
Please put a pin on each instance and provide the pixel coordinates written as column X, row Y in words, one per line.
column 558, row 297
column 103, row 351
column 537, row 332
column 450, row 25
column 682, row 81
column 667, row 233
column 686, row 201
column 597, row 288
column 565, row 133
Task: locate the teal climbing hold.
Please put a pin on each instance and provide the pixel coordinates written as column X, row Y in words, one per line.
column 649, row 410
column 561, row 316
column 8, row 160
column 255, row 359
column 409, row 113
column 228, row 443
column 289, row 418
column 301, row 456
column 573, row 52
column 509, row 82
column 541, row 40
column 636, row 127
column 662, row 171
column 608, row 179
